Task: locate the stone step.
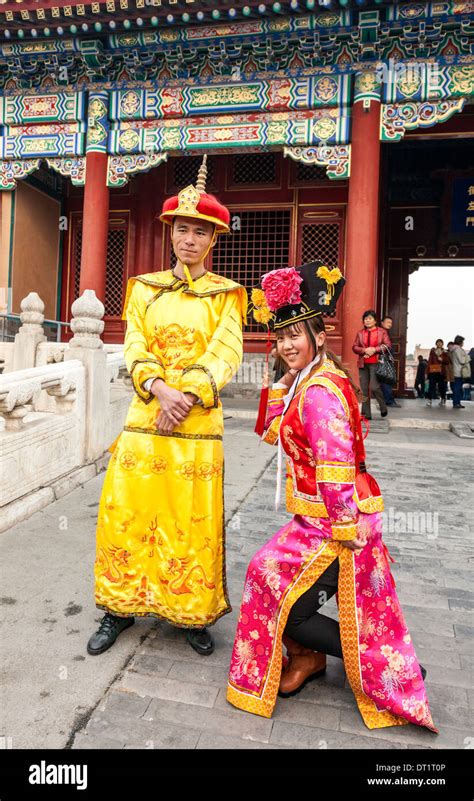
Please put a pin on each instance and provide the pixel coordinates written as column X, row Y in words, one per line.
column 378, row 426
column 463, row 430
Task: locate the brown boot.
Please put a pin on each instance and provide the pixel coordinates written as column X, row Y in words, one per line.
column 303, row 666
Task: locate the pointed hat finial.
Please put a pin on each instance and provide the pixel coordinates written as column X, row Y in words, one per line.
column 202, row 175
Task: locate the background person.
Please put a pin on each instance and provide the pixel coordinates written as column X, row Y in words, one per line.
column 368, row 344
column 437, row 361
column 420, row 377
column 461, row 370
column 387, row 389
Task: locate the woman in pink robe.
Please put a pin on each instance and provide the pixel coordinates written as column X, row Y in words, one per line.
column 337, row 522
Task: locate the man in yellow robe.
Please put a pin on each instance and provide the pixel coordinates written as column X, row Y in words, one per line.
column 160, row 527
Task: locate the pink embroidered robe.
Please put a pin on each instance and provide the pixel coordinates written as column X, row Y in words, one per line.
column 332, row 498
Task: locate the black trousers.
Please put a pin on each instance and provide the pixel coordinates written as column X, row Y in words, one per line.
column 368, row 381
column 436, row 380
column 307, row 626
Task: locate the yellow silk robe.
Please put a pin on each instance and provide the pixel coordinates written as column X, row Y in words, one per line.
column 160, row 527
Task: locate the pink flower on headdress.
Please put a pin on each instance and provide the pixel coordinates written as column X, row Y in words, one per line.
column 282, row 287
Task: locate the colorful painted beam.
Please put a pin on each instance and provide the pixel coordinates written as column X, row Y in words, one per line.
column 236, row 130
column 251, row 28
column 28, row 147
column 425, row 81
column 52, row 107
column 413, row 11
column 264, row 95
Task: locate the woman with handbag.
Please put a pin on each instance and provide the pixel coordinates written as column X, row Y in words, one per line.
column 333, row 544
column 369, row 342
column 437, row 363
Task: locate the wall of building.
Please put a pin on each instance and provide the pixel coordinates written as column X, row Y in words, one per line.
column 35, row 248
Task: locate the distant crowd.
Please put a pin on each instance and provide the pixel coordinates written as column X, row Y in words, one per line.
column 450, row 368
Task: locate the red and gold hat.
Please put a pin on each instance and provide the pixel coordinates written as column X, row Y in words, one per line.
column 193, row 201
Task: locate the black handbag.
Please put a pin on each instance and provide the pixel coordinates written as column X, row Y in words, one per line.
column 385, row 370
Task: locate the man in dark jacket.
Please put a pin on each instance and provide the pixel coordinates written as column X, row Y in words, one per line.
column 387, row 389
column 420, row 377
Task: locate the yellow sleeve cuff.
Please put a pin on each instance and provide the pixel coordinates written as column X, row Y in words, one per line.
column 344, row 532
column 199, row 380
column 270, row 436
column 140, row 371
column 277, row 394
column 342, row 473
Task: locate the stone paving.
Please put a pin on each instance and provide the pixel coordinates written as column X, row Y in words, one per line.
column 168, row 696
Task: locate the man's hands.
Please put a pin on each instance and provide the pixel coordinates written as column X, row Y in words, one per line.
column 355, row 545
column 175, row 405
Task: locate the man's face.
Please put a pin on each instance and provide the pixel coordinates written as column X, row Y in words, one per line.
column 191, row 239
column 387, row 323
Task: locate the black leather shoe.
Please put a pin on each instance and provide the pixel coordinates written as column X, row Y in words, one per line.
column 200, row 640
column 383, row 414
column 108, row 631
column 423, row 672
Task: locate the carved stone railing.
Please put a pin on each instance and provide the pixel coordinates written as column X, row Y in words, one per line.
column 59, row 413
column 20, row 391
column 116, row 367
column 50, row 352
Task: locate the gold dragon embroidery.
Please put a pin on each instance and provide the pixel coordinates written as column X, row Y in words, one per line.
column 184, row 576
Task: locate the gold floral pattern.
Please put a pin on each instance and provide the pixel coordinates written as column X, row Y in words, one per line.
column 158, row 464
column 128, row 460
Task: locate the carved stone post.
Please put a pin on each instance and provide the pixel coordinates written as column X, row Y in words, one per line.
column 30, row 334
column 87, row 346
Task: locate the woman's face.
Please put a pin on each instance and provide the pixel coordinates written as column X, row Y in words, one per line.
column 439, row 343
column 369, row 321
column 295, row 346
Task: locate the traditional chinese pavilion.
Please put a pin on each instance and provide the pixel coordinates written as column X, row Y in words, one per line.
column 338, row 129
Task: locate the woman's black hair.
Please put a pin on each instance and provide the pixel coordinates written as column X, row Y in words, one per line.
column 369, row 313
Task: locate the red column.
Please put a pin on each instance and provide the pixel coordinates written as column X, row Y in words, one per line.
column 95, row 225
column 144, row 243
column 362, row 225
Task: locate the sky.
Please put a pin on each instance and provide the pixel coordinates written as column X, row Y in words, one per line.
column 440, row 305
